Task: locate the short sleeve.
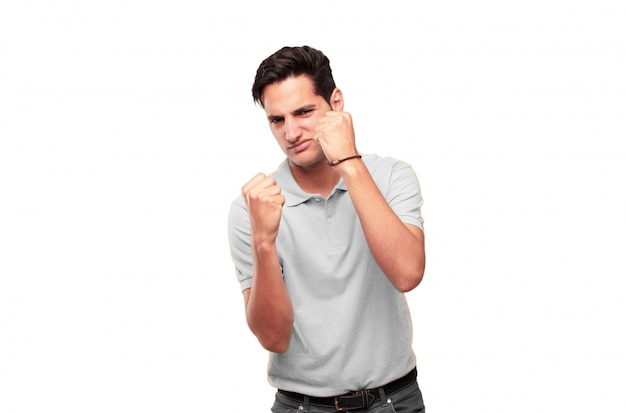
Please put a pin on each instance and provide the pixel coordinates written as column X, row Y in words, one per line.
column 403, row 194
column 239, row 239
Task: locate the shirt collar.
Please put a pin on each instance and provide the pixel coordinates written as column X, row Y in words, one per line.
column 294, row 195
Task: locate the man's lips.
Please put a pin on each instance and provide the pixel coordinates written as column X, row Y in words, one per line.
column 300, row 145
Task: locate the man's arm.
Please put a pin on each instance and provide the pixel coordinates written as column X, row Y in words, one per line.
column 398, row 248
column 269, row 312
column 268, row 307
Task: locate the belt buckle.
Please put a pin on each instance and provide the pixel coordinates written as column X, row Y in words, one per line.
column 351, row 401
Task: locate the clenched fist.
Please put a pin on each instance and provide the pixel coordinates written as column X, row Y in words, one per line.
column 265, row 204
column 335, row 133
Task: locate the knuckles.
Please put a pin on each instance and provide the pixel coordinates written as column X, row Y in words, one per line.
column 263, row 189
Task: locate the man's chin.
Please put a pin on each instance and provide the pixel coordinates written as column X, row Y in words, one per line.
column 306, row 162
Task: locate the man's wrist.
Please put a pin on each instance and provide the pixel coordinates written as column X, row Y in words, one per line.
column 338, row 161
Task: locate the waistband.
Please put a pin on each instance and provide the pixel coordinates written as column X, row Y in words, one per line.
column 354, row 400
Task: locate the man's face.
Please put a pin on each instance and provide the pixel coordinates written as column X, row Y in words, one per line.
column 293, row 110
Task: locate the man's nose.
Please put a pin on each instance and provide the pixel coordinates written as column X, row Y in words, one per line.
column 292, row 130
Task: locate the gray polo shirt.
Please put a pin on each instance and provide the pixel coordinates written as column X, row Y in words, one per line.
column 352, row 328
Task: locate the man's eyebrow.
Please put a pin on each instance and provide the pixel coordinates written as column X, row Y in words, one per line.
column 299, row 111
column 305, row 108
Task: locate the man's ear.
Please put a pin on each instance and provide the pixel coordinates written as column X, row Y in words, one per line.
column 336, row 100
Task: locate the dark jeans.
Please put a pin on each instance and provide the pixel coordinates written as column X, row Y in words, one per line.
column 407, row 400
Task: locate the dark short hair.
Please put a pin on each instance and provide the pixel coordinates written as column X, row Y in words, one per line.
column 295, row 61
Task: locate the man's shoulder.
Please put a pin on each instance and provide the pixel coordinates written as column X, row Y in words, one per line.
column 377, row 163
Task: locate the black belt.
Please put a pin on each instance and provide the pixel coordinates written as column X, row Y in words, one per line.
column 355, row 399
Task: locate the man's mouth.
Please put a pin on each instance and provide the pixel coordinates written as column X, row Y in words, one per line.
column 300, row 145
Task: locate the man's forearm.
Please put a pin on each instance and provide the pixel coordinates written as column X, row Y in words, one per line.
column 268, row 306
column 397, row 248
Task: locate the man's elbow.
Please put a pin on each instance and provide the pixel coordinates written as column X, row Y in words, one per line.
column 274, row 336
column 411, row 280
column 409, row 284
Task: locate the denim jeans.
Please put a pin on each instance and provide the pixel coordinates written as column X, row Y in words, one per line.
column 407, row 400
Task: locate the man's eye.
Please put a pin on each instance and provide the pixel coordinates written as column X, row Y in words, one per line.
column 276, row 120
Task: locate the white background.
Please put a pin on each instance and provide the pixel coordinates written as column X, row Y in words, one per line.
column 127, row 127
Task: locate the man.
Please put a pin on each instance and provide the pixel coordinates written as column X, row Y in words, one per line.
column 325, row 248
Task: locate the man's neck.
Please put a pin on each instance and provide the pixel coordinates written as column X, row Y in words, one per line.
column 316, row 179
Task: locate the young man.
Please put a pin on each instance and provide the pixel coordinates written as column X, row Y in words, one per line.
column 325, row 248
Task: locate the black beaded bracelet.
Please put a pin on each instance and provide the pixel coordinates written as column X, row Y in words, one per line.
column 338, row 161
